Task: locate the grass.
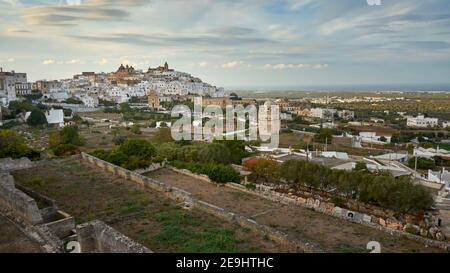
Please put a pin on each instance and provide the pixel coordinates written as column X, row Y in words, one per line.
column 179, row 227
column 346, row 248
column 145, row 216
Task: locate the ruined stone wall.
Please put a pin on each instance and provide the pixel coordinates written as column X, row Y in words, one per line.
column 17, row 201
column 96, row 236
column 388, row 225
column 183, row 196
column 9, row 164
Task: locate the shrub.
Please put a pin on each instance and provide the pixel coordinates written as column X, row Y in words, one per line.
column 383, row 190
column 138, row 147
column 136, row 129
column 422, row 163
column 36, row 118
column 66, row 150
column 12, row 145
column 215, row 153
column 119, row 140
column 216, row 172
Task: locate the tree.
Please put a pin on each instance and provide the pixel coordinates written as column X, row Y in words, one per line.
column 125, row 107
column 69, row 135
column 215, row 153
column 12, row 145
column 267, row 169
column 324, row 135
column 360, row 166
column 138, row 147
column 36, row 118
column 136, row 129
column 162, row 135
column 422, row 163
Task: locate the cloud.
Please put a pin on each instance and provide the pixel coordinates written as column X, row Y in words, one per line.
column 283, row 66
column 48, row 61
column 102, row 61
column 233, row 64
column 73, row 61
column 203, row 64
column 71, row 14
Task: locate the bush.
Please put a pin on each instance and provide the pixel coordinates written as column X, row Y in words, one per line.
column 119, row 140
column 138, row 147
column 136, row 129
column 217, row 172
column 383, row 190
column 66, row 150
column 12, row 145
column 215, row 153
column 422, row 163
column 36, row 118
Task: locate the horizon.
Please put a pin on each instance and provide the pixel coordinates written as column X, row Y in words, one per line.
column 269, row 43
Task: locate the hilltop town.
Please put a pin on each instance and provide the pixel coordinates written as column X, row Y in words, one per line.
column 94, row 155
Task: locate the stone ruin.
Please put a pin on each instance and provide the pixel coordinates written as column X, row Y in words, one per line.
column 55, row 229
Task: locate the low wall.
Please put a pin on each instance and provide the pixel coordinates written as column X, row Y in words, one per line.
column 96, row 236
column 9, row 164
column 153, row 167
column 386, row 225
column 17, row 201
column 184, row 196
column 63, row 226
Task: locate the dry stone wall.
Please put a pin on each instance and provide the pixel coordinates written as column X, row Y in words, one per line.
column 96, row 236
column 186, row 197
column 18, row 201
column 390, row 226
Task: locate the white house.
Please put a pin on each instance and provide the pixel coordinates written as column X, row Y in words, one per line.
column 55, row 117
column 430, row 152
column 400, row 157
column 421, row 122
column 322, row 113
column 445, row 124
column 442, row 177
column 372, row 137
column 338, row 155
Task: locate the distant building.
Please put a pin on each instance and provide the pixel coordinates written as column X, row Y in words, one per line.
column 47, row 86
column 372, row 137
column 346, row 114
column 11, row 85
column 55, row 117
column 153, row 100
column 446, row 124
column 442, row 177
column 421, row 122
column 322, row 113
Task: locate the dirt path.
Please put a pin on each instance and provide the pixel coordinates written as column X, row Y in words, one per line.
column 328, row 233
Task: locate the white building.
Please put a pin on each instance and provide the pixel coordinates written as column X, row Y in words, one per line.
column 55, row 117
column 322, row 113
column 346, row 114
column 446, row 124
column 372, row 137
column 421, row 122
column 8, row 87
column 442, row 177
column 430, row 152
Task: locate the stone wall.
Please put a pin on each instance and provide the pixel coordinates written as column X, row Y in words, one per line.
column 390, row 226
column 153, row 167
column 96, row 236
column 186, row 197
column 17, row 201
column 9, row 164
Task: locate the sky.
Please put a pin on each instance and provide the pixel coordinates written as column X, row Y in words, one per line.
column 233, row 43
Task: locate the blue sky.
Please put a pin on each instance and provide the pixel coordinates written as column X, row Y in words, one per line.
column 233, row 43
